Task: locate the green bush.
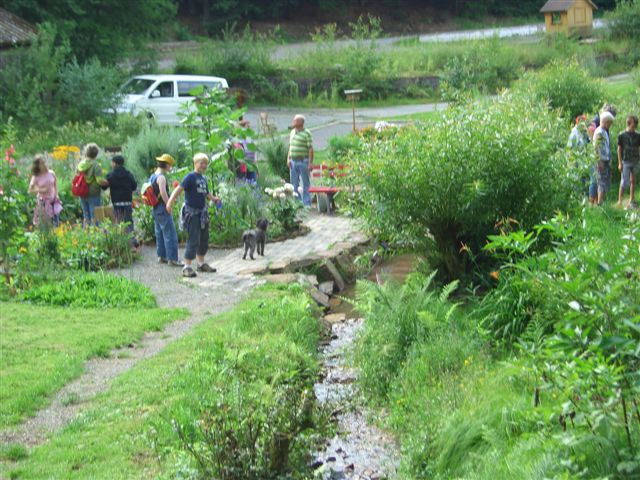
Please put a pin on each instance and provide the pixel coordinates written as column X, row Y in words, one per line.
column 105, row 131
column 566, row 86
column 28, row 81
column 248, row 408
column 87, row 91
column 237, row 55
column 340, row 147
column 151, row 142
column 485, row 67
column 624, row 21
column 275, row 150
column 91, row 290
column 444, row 185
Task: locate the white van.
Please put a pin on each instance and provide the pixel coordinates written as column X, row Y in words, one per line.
column 160, row 96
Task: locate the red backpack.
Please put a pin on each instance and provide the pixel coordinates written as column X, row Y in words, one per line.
column 79, row 185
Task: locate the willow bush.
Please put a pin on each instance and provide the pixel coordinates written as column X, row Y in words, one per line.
column 447, row 184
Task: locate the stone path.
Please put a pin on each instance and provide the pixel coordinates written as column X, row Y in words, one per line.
column 206, row 295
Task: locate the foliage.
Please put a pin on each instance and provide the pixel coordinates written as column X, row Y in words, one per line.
column 284, row 206
column 449, row 182
column 624, row 21
column 566, row 86
column 340, row 147
column 107, row 30
column 86, row 91
column 275, row 150
column 91, row 290
column 237, row 55
column 13, row 205
column 152, row 141
column 105, row 131
column 78, row 248
column 398, row 319
column 211, row 122
column 28, row 81
column 484, row 67
column 45, row 347
column 246, row 418
column 42, row 86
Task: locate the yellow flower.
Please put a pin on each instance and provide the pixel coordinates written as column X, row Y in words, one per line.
column 23, row 250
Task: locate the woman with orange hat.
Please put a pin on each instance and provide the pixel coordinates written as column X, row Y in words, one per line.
column 166, row 234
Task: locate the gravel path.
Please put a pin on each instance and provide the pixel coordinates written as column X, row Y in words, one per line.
column 204, row 296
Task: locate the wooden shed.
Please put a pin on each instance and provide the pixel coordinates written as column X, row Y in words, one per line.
column 572, row 17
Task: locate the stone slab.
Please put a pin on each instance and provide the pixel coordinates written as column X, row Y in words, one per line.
column 320, row 298
column 335, row 318
column 281, row 278
column 335, row 274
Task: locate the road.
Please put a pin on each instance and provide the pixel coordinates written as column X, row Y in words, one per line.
column 326, row 123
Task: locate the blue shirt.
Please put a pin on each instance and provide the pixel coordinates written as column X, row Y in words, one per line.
column 195, row 190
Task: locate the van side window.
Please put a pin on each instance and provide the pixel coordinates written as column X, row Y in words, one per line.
column 185, row 87
column 165, row 89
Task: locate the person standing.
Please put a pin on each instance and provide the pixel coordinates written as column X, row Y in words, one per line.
column 194, row 216
column 121, row 188
column 93, row 175
column 166, row 234
column 602, row 144
column 629, row 160
column 45, row 185
column 300, row 158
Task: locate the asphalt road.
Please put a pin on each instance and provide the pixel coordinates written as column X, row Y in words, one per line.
column 325, row 123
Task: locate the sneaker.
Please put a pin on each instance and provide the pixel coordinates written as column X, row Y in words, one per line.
column 205, row 267
column 162, row 260
column 631, row 206
column 188, row 272
column 176, row 263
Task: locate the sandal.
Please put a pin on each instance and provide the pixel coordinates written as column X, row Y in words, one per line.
column 205, row 267
column 188, row 272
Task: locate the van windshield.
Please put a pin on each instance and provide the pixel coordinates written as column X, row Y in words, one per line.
column 136, row 86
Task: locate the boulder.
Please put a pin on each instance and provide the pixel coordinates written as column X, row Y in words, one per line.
column 327, row 287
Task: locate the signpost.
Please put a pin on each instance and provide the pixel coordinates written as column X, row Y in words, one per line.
column 353, row 96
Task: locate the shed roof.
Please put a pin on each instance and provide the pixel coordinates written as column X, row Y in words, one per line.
column 14, row 30
column 562, row 5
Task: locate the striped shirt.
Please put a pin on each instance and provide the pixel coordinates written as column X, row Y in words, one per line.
column 299, row 144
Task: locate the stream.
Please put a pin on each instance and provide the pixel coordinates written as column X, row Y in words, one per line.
column 359, row 449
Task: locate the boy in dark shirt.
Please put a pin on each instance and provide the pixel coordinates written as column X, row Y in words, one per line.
column 629, row 160
column 121, row 187
column 194, row 217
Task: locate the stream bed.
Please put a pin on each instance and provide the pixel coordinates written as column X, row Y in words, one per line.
column 359, row 450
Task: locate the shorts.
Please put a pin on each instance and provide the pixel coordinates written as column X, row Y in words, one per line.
column 604, row 177
column 627, row 170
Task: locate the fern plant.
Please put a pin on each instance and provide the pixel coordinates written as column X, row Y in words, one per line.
column 398, row 318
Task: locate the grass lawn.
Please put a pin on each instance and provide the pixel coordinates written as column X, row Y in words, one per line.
column 43, row 348
column 126, row 432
